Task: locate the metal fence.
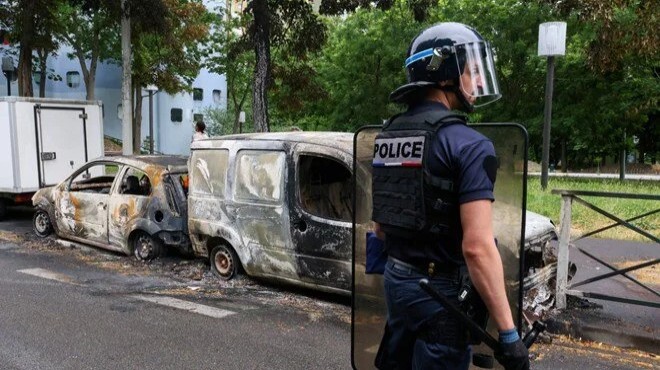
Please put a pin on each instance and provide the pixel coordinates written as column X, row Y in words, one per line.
column 563, row 288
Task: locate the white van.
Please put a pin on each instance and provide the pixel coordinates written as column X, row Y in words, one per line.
column 276, row 205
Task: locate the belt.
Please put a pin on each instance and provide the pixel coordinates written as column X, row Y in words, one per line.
column 432, row 269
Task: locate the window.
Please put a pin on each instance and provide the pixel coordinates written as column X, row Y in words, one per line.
column 259, row 175
column 217, row 96
column 73, row 79
column 120, row 112
column 209, row 172
column 198, row 117
column 198, row 94
column 96, row 178
column 176, row 115
column 325, row 187
column 135, row 182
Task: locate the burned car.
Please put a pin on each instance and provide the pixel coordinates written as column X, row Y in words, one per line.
column 280, row 205
column 134, row 205
column 276, row 205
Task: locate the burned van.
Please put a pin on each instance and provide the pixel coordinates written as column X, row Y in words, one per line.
column 274, row 205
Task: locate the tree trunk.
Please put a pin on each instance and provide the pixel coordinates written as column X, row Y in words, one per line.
column 262, row 66
column 137, row 119
column 564, row 160
column 43, row 75
column 25, row 56
column 90, row 81
column 127, row 140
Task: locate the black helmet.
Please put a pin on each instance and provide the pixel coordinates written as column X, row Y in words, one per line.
column 441, row 53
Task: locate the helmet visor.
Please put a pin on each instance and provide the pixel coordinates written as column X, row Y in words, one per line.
column 478, row 81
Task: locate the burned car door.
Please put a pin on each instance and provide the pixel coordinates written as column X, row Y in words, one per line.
column 321, row 215
column 259, row 202
column 83, row 203
column 129, row 201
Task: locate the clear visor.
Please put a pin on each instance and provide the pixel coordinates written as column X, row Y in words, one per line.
column 479, row 81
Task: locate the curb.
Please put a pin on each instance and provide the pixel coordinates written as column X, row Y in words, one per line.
column 609, row 332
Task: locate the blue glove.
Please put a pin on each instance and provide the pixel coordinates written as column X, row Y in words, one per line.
column 512, row 353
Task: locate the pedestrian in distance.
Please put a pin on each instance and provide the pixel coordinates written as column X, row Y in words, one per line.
column 200, row 131
column 433, row 181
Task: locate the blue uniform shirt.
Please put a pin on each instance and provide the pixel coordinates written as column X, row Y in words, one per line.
column 463, row 154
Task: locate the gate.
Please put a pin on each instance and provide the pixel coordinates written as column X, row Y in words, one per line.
column 563, row 289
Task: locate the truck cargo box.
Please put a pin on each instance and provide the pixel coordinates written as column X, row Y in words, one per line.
column 42, row 141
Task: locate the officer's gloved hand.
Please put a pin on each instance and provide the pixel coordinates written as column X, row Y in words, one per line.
column 512, row 353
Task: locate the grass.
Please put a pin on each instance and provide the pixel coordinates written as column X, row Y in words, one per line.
column 585, row 220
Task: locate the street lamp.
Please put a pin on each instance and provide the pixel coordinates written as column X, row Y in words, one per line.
column 152, row 89
column 8, row 69
column 552, row 42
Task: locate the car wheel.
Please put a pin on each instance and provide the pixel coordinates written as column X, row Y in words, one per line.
column 41, row 223
column 224, row 262
column 145, row 247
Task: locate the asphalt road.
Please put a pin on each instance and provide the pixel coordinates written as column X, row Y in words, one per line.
column 63, row 308
column 82, row 308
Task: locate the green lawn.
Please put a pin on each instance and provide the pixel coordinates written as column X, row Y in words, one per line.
column 584, row 219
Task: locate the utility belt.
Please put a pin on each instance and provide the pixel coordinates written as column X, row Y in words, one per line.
column 432, row 269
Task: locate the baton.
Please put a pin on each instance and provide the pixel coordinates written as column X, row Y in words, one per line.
column 456, row 311
column 537, row 327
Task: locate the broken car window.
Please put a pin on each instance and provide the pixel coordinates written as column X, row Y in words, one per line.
column 135, row 182
column 97, row 178
column 325, row 187
column 259, row 175
column 209, row 173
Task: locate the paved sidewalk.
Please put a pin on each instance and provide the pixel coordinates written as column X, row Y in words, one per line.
column 619, row 324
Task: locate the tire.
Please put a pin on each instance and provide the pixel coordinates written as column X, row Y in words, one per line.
column 41, row 223
column 224, row 262
column 146, row 247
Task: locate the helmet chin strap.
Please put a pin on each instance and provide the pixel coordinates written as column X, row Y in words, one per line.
column 456, row 89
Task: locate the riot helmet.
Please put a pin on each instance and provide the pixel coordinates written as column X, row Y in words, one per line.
column 457, row 54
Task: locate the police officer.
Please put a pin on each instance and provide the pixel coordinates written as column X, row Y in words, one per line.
column 433, row 179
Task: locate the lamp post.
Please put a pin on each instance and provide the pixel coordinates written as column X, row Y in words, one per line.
column 552, row 42
column 152, row 89
column 241, row 121
column 8, row 69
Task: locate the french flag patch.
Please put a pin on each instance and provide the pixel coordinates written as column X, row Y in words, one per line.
column 399, row 152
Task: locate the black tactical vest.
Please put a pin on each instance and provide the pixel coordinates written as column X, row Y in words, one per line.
column 408, row 201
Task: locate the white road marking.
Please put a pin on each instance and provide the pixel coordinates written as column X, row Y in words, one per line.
column 45, row 274
column 185, row 305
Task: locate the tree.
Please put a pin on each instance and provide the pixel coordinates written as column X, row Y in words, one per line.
column 31, row 23
column 226, row 52
column 91, row 29
column 360, row 65
column 164, row 31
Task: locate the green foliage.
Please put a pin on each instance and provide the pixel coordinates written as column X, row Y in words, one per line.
column 167, row 53
column 360, row 65
column 346, row 85
column 584, row 219
column 226, row 52
column 220, row 121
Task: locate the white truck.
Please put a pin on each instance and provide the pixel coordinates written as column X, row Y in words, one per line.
column 42, row 141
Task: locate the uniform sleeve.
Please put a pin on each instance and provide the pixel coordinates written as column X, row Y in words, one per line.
column 478, row 168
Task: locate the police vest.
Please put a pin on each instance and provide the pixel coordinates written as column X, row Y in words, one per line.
column 408, row 200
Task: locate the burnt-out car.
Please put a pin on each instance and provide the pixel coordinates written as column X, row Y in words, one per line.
column 134, row 205
column 277, row 205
